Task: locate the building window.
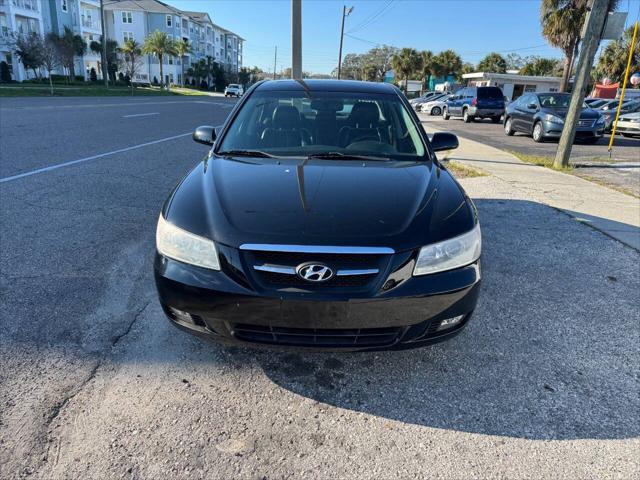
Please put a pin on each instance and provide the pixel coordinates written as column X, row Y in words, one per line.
column 169, row 21
column 127, row 36
column 63, row 4
column 170, row 58
column 126, row 17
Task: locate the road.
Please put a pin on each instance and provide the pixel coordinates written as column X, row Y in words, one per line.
column 622, row 170
column 94, row 382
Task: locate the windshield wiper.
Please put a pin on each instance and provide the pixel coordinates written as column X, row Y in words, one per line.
column 346, row 156
column 245, row 153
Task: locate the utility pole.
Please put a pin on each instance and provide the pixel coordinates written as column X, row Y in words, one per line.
column 296, row 39
column 103, row 53
column 275, row 60
column 592, row 30
column 345, row 13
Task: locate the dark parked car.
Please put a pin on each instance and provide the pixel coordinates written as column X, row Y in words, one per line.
column 475, row 102
column 321, row 218
column 541, row 115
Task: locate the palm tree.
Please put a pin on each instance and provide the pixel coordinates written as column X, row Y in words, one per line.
column 427, row 67
column 449, row 63
column 406, row 62
column 562, row 22
column 182, row 48
column 131, row 51
column 159, row 44
column 613, row 60
column 494, row 63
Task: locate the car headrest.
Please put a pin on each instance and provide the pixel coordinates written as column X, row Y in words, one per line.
column 286, row 116
column 327, row 105
column 364, row 114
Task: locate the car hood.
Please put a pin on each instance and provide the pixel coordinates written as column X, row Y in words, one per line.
column 630, row 116
column 393, row 204
column 562, row 112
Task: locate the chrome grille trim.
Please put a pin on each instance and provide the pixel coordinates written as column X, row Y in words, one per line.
column 265, row 247
column 292, row 271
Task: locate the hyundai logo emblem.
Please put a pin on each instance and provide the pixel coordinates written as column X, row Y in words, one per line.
column 314, row 272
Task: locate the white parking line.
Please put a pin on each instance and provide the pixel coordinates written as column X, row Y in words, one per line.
column 86, row 159
column 140, row 115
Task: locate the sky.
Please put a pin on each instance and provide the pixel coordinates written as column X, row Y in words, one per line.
column 473, row 28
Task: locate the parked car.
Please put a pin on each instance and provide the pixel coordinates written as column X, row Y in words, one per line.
column 286, row 234
column 629, row 125
column 542, row 115
column 233, row 90
column 596, row 102
column 475, row 102
column 435, row 106
column 609, row 111
column 415, row 102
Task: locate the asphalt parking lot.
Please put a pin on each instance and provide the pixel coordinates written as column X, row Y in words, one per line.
column 621, row 170
column 94, row 382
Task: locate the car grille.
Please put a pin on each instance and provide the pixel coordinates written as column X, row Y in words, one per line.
column 586, row 123
column 353, row 271
column 312, row 337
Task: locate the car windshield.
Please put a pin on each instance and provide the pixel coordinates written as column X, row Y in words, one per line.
column 339, row 125
column 233, row 85
column 556, row 100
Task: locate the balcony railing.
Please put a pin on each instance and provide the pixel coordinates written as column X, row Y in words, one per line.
column 89, row 23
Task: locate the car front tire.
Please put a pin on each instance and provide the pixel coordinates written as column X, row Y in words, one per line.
column 508, row 128
column 436, row 111
column 466, row 118
column 538, row 132
column 445, row 114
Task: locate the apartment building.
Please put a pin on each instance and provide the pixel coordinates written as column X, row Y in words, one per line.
column 18, row 17
column 136, row 19
column 83, row 18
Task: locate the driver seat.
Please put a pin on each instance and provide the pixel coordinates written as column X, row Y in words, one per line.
column 364, row 121
column 286, row 129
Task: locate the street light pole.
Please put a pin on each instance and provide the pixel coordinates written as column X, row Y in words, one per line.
column 103, row 52
column 275, row 60
column 594, row 24
column 296, row 39
column 345, row 13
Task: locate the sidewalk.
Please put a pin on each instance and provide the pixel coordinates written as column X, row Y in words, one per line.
column 612, row 212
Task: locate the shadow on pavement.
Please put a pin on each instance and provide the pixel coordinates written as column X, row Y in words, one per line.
column 549, row 353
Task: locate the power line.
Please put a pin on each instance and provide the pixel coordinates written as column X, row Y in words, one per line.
column 372, row 18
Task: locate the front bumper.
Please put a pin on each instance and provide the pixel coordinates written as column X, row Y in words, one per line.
column 554, row 130
column 213, row 304
column 631, row 128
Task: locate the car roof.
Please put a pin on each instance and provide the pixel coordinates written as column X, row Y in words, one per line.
column 327, row 86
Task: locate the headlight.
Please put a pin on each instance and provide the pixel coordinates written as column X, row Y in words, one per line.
column 600, row 120
column 553, row 119
column 633, row 120
column 453, row 253
column 173, row 242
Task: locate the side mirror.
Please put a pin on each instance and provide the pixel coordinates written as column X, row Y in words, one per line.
column 444, row 141
column 205, row 135
column 532, row 106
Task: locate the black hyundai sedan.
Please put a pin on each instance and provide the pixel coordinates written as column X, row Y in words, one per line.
column 321, row 218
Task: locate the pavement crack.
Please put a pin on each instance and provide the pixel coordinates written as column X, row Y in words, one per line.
column 127, row 330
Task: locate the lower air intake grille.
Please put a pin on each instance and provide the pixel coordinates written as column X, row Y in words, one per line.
column 316, row 337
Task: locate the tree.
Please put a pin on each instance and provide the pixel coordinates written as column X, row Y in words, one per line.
column 466, row 68
column 612, row 62
column 159, row 44
column 244, row 76
column 93, row 76
column 131, row 59
column 406, row 62
column 562, row 22
column 514, row 61
column 68, row 46
column 5, row 73
column 428, row 67
column 182, row 48
column 494, row 63
column 449, row 63
column 111, row 47
column 50, row 58
column 539, row 66
column 28, row 48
